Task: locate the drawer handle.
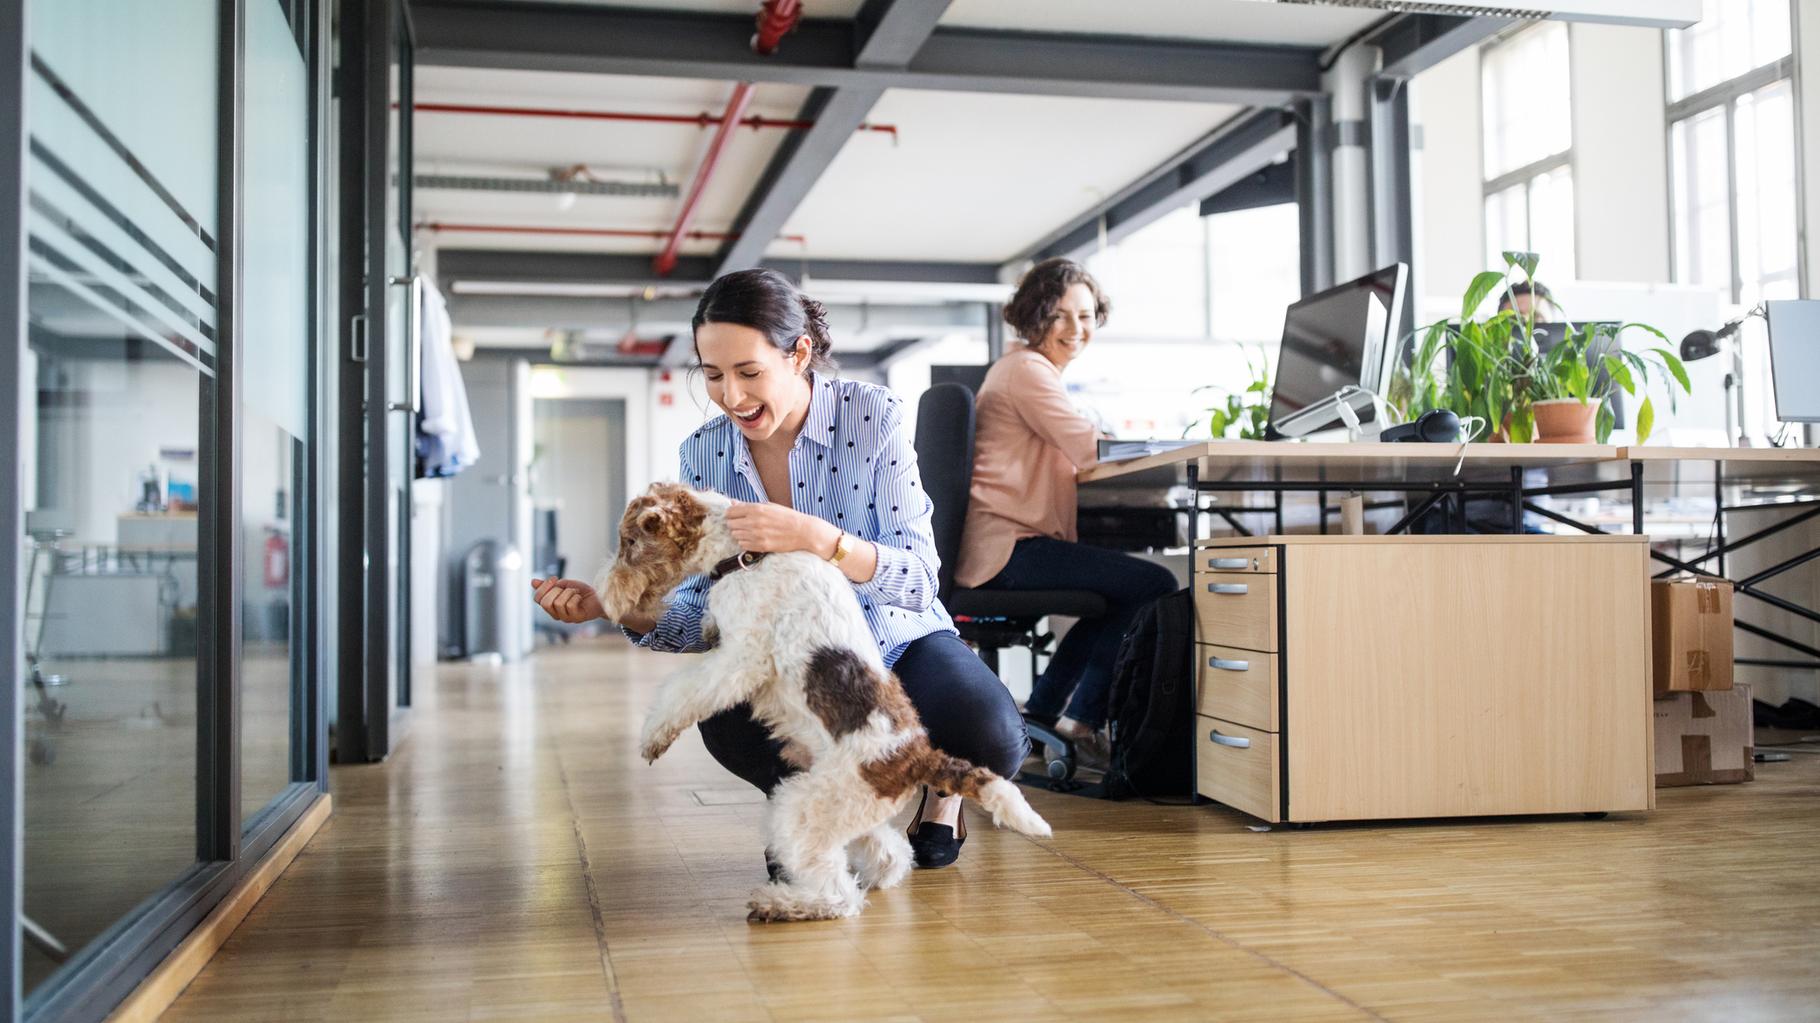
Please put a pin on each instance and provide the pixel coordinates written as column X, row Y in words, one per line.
column 1232, row 563
column 1229, row 588
column 1229, row 740
column 1228, row 664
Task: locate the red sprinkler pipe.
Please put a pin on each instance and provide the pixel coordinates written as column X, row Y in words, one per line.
column 736, row 106
column 701, row 120
column 776, row 19
column 587, row 232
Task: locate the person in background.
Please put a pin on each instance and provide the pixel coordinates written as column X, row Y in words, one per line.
column 820, row 464
column 1020, row 532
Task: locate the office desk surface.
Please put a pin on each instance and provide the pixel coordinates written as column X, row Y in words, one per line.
column 1240, row 461
column 1782, row 469
column 1400, row 540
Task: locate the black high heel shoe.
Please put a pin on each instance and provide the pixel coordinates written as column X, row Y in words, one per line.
column 935, row 845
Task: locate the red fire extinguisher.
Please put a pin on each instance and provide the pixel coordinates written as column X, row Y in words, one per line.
column 277, row 560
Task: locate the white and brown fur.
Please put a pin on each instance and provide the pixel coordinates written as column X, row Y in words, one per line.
column 793, row 644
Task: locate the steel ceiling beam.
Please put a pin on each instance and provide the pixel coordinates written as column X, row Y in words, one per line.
column 826, row 53
column 1239, row 148
column 504, row 266
column 890, row 33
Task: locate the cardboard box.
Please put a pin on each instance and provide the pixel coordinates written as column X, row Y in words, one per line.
column 1691, row 625
column 1704, row 738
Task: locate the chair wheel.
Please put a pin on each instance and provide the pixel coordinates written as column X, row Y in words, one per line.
column 1061, row 768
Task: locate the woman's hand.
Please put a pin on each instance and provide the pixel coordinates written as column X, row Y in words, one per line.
column 774, row 529
column 568, row 600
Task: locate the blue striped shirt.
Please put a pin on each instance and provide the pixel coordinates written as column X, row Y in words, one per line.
column 852, row 465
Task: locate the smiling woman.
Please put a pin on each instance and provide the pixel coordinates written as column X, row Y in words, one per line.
column 820, row 464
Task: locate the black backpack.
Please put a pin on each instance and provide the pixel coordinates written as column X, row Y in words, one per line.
column 1152, row 708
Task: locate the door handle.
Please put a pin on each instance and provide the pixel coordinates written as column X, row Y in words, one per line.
column 1228, row 664
column 1232, row 563
column 1229, row 740
column 1229, row 588
column 413, row 383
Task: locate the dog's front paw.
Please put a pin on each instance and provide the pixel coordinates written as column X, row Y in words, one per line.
column 655, row 740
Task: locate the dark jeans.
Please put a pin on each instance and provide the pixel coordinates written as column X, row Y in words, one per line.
column 1082, row 665
column 969, row 714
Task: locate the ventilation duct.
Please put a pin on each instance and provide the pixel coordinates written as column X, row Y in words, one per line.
column 1649, row 13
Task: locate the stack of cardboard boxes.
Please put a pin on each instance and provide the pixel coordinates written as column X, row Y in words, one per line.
column 1703, row 721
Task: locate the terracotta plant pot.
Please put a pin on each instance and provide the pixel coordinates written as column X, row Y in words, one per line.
column 1566, row 421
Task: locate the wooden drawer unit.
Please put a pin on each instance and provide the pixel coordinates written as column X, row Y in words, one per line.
column 1236, row 559
column 1236, row 609
column 1236, row 685
column 1237, row 766
column 1386, row 677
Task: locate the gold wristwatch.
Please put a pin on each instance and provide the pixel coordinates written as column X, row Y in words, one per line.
column 842, row 547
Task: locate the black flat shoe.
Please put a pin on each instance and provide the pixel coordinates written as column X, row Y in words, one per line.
column 935, row 845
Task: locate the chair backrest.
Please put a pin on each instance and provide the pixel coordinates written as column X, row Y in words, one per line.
column 944, row 452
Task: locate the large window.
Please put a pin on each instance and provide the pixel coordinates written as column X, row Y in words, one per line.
column 1528, row 138
column 1732, row 149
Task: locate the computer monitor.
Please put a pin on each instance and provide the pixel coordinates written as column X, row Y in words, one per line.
column 1794, row 359
column 1339, row 340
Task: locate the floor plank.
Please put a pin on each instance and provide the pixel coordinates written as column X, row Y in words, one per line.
column 517, row 861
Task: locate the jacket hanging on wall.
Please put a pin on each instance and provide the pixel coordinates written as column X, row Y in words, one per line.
column 445, row 430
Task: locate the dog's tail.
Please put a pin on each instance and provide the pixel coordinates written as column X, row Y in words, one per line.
column 1009, row 810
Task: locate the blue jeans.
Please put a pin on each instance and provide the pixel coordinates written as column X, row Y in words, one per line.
column 1080, row 673
column 969, row 714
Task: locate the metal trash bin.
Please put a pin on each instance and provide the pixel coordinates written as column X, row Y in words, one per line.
column 492, row 616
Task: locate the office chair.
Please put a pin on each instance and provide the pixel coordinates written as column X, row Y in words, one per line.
column 991, row 620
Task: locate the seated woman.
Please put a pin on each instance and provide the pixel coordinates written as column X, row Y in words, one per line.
column 1020, row 533
column 824, row 465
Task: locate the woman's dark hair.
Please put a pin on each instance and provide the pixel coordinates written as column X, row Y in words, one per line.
column 1041, row 290
column 771, row 304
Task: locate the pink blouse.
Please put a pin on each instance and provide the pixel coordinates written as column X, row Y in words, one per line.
column 1028, row 443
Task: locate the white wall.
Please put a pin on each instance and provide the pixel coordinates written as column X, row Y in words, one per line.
column 1621, row 211
column 1807, row 77
column 1450, row 228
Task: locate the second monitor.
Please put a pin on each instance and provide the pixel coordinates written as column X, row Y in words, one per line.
column 1336, row 345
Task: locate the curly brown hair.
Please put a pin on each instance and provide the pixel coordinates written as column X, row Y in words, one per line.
column 1041, row 289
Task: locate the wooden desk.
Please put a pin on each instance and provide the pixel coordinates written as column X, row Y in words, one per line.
column 1371, row 464
column 1362, row 678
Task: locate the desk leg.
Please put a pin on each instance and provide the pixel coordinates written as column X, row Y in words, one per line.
column 1323, row 496
column 1279, row 507
column 1194, row 513
column 1719, row 514
column 1516, row 499
column 1636, row 498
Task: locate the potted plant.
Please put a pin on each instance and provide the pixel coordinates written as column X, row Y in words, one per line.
column 1243, row 415
column 1570, row 384
column 1497, row 372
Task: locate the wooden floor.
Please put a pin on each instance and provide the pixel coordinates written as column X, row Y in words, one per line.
column 517, row 861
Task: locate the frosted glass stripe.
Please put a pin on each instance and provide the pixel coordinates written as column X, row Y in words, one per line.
column 43, row 229
column 67, row 137
column 149, row 71
column 57, row 193
column 44, row 268
column 275, row 357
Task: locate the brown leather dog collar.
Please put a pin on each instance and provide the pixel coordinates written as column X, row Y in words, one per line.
column 744, row 559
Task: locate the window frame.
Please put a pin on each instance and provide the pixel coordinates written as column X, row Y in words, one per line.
column 1725, row 96
column 1529, row 173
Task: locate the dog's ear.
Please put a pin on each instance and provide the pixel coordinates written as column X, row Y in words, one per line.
column 650, row 522
column 628, row 588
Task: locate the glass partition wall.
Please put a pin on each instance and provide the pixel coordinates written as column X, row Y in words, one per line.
column 163, row 409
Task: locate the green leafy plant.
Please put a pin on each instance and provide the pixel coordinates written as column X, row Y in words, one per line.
column 1589, row 363
column 1247, row 410
column 1494, row 369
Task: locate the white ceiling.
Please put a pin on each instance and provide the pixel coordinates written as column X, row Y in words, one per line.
column 1248, row 21
column 617, row 150
column 972, row 177
column 978, row 177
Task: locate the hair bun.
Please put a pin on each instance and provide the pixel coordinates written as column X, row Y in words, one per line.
column 815, row 324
